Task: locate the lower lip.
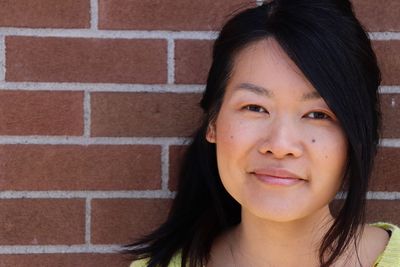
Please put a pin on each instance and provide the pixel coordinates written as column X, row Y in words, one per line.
column 273, row 180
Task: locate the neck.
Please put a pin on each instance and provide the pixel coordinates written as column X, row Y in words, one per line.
column 295, row 243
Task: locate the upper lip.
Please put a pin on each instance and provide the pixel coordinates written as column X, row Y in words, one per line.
column 277, row 172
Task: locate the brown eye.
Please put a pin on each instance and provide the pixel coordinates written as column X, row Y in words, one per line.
column 318, row 115
column 255, row 108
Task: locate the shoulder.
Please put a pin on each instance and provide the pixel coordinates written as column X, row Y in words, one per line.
column 175, row 262
column 139, row 263
column 390, row 254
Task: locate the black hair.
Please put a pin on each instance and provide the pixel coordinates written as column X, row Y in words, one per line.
column 330, row 47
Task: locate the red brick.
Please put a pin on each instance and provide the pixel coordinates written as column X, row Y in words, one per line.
column 167, row 14
column 192, row 61
column 378, row 15
column 42, row 221
column 144, row 114
column 64, row 260
column 176, row 154
column 41, row 113
column 388, row 53
column 50, row 59
column 383, row 211
column 120, row 221
column 386, row 174
column 74, row 167
column 377, row 210
column 390, row 105
column 45, row 13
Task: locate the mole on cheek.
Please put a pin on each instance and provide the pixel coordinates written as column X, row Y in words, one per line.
column 231, row 136
column 313, row 140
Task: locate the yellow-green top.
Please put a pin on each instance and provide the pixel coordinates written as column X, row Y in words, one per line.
column 390, row 257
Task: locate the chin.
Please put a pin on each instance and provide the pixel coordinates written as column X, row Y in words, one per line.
column 277, row 216
column 283, row 211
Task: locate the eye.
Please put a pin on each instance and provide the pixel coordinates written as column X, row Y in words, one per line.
column 318, row 115
column 255, row 108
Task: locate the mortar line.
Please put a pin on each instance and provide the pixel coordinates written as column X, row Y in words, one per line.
column 86, row 114
column 42, row 249
column 386, row 142
column 2, row 58
column 94, row 14
column 374, row 195
column 389, row 89
column 164, row 167
column 134, row 194
column 88, row 220
column 84, row 141
column 103, row 87
column 379, row 195
column 384, row 36
column 171, row 61
column 109, row 34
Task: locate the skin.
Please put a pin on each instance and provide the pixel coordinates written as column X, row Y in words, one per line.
column 272, row 118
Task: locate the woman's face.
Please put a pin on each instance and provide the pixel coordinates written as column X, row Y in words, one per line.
column 281, row 152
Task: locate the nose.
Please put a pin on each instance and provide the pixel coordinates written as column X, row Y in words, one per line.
column 282, row 139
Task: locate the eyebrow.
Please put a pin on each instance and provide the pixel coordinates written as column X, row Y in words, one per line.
column 311, row 96
column 259, row 90
column 255, row 89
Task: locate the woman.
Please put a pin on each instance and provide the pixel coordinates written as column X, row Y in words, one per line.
column 291, row 118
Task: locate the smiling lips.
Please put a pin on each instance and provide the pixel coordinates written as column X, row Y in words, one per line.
column 277, row 177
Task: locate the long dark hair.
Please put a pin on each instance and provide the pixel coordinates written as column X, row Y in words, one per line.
column 330, row 47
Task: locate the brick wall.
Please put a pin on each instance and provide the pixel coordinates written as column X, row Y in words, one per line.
column 90, row 130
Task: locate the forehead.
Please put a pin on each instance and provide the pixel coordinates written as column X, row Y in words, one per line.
column 264, row 63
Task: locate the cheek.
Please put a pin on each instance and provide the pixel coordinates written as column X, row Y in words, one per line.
column 328, row 142
column 338, row 150
column 235, row 140
column 232, row 134
column 330, row 154
column 229, row 143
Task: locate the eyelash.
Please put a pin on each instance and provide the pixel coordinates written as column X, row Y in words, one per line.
column 256, row 108
column 251, row 108
column 326, row 116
